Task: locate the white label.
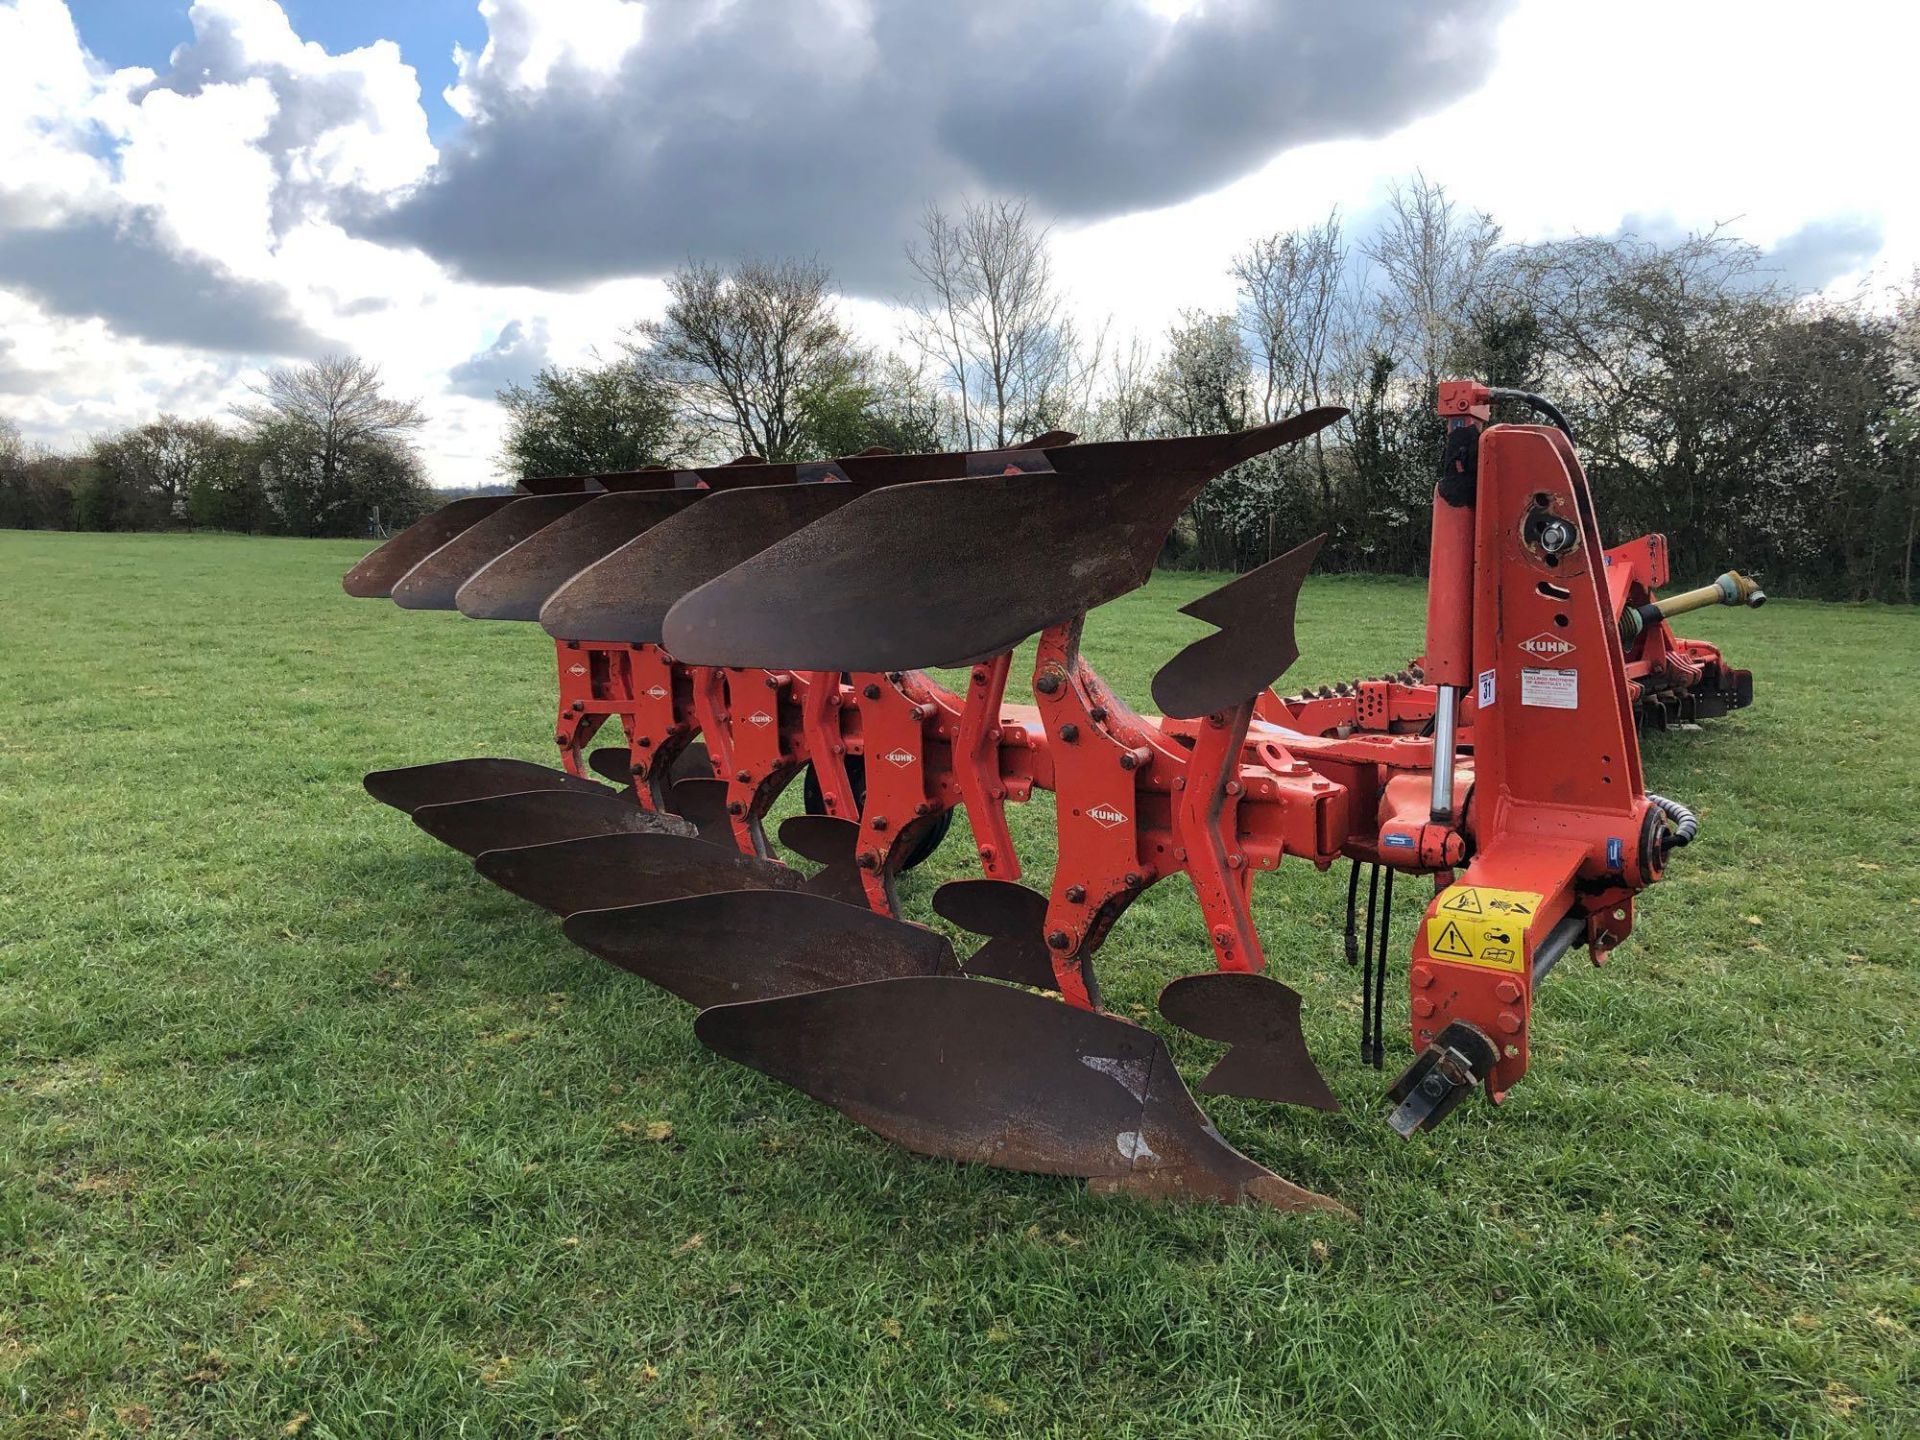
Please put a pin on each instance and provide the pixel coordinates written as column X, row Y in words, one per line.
column 1554, row 689
column 1485, row 696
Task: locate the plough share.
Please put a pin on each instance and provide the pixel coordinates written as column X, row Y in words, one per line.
column 750, row 623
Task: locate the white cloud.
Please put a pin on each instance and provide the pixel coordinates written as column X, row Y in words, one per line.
column 221, row 201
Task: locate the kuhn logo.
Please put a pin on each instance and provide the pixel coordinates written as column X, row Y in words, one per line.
column 1107, row 816
column 576, row 668
column 902, row 758
column 1548, row 648
column 760, row 718
column 655, row 692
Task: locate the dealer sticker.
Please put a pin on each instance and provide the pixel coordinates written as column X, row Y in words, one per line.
column 1550, row 689
column 1484, row 696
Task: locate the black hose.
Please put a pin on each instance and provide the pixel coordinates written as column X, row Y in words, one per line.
column 1685, row 823
column 1537, row 403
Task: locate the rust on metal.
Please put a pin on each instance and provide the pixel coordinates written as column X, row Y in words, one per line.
column 993, row 1075
column 1260, row 1019
column 625, row 596
column 878, row 584
column 515, row 583
column 609, row 872
column 448, row 782
column 1252, row 646
column 382, row 567
column 433, row 583
column 1012, row 917
column 742, row 945
column 540, row 817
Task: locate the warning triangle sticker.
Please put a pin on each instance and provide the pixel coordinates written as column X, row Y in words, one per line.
column 1467, row 902
column 1451, row 942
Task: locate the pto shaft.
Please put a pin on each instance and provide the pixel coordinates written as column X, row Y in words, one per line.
column 1732, row 588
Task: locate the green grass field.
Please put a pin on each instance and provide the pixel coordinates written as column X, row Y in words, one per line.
column 306, row 1129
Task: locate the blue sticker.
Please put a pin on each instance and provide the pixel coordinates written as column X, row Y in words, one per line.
column 1404, row 842
column 1616, row 852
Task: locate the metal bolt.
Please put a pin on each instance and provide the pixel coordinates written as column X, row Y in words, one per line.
column 734, row 807
column 1133, row 880
column 1129, row 761
column 1508, row 991
column 868, row 860
column 1098, row 714
column 1223, row 937
column 1069, row 733
column 893, row 677
column 1422, row 1006
column 1234, row 862
column 1047, row 683
column 1058, row 939
column 879, row 822
column 645, row 742
column 1233, row 787
column 1509, row 1022
column 1076, row 894
column 1421, row 976
column 1556, row 537
column 872, row 692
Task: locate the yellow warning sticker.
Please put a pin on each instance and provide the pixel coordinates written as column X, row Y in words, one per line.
column 1478, row 925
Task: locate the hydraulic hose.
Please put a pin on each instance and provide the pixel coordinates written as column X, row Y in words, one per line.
column 1539, row 404
column 1685, row 823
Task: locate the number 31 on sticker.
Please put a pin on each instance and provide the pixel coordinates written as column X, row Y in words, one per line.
column 1484, row 695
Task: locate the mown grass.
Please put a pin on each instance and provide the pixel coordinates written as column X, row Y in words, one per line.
column 305, row 1128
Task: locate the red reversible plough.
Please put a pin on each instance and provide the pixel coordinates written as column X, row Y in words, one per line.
column 750, row 624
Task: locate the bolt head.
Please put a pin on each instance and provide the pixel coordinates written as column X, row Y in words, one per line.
column 1508, row 1022
column 1058, row 940
column 1076, row 894
column 1508, row 991
column 1422, row 1006
column 1421, row 976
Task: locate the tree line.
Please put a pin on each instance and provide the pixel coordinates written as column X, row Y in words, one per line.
column 322, row 449
column 1756, row 426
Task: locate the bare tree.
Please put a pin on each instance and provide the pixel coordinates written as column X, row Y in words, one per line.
column 334, row 449
column 992, row 324
column 746, row 348
column 1290, row 306
column 1128, row 402
column 336, row 407
column 1433, row 259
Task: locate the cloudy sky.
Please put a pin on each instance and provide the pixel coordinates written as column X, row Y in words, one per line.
column 464, row 190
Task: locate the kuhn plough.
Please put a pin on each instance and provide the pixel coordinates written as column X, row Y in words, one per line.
column 750, row 622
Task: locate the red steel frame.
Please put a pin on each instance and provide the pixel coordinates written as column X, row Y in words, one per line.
column 1548, row 801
